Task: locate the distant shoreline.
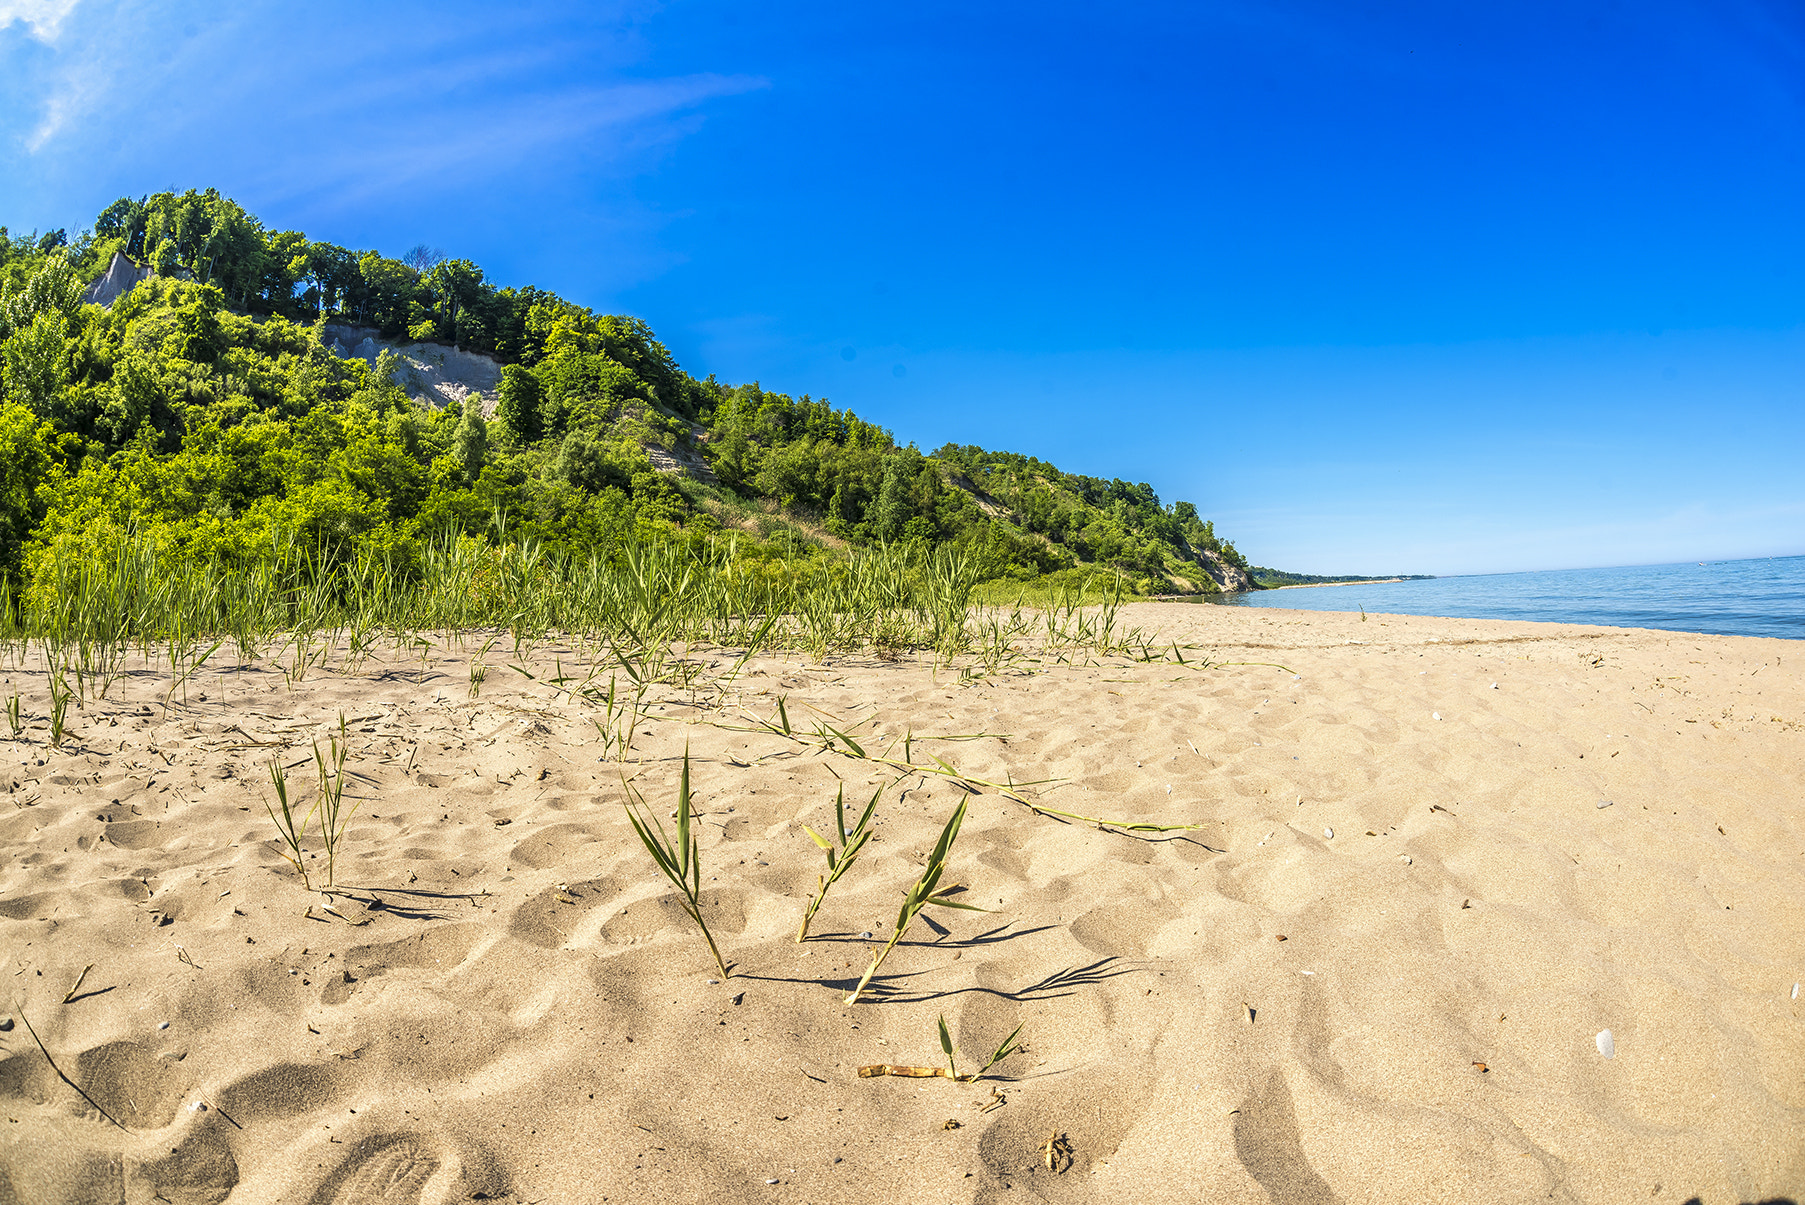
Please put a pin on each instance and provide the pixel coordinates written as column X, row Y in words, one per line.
column 1368, row 581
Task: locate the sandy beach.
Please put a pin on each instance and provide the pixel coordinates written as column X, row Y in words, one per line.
column 1436, row 859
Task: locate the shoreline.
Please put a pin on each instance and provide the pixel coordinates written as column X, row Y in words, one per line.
column 1367, row 581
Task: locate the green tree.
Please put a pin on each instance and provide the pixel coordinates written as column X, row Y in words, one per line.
column 519, row 403
column 471, row 443
column 25, row 460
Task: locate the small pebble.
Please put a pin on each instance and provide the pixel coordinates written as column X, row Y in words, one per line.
column 1795, row 996
column 866, row 935
column 198, row 1107
column 772, row 1180
column 712, row 981
column 1436, row 714
column 1405, row 858
column 1603, row 804
column 162, row 1025
column 6, row 1024
column 1607, row 1045
column 1329, row 833
column 1494, row 686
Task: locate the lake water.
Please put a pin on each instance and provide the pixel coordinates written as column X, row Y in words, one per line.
column 1732, row 598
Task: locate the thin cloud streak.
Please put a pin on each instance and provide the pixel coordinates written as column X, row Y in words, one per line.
column 44, row 18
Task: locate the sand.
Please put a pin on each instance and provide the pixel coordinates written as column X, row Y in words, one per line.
column 1377, row 972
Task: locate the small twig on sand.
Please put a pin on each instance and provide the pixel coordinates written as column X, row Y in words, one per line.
column 70, row 995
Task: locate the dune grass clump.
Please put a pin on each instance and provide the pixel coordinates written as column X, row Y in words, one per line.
column 678, row 857
column 841, row 852
column 328, row 806
column 289, row 831
column 924, row 891
column 333, row 819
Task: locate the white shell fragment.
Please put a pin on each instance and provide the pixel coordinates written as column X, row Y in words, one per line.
column 1436, row 714
column 1795, row 991
column 1405, row 858
column 1607, row 1045
column 1329, row 833
column 1603, row 804
column 1494, row 686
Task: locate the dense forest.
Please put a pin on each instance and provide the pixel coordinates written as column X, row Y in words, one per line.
column 212, row 407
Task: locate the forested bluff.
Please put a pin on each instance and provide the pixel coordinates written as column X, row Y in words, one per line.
column 178, row 373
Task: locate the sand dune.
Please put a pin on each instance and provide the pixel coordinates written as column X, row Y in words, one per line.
column 1377, row 972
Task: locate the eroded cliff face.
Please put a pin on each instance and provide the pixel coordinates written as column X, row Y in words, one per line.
column 430, row 372
column 121, row 275
column 1229, row 578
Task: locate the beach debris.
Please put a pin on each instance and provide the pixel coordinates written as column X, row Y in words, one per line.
column 1057, row 1152
column 1482, row 1068
column 881, row 1069
column 952, row 1123
column 1607, row 1045
column 1603, row 804
column 1280, row 937
column 1435, row 714
column 1795, row 991
column 76, row 987
column 1329, row 833
column 1405, row 858
column 1494, row 686
column 997, row 1100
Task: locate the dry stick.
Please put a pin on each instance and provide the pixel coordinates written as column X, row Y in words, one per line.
column 951, row 1070
column 70, row 995
column 61, row 1076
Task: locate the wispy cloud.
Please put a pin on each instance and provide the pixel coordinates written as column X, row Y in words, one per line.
column 334, row 100
column 44, row 18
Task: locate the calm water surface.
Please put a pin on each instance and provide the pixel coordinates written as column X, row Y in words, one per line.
column 1731, row 598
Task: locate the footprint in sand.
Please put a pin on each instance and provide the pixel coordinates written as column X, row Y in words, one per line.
column 388, row 1170
column 409, row 1169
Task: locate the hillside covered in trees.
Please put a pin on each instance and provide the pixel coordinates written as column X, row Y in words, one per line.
column 213, row 406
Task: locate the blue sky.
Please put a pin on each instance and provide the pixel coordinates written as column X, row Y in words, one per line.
column 1420, row 288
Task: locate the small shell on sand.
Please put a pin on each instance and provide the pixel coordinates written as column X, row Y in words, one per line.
column 1603, row 804
column 1607, row 1045
column 1329, row 833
